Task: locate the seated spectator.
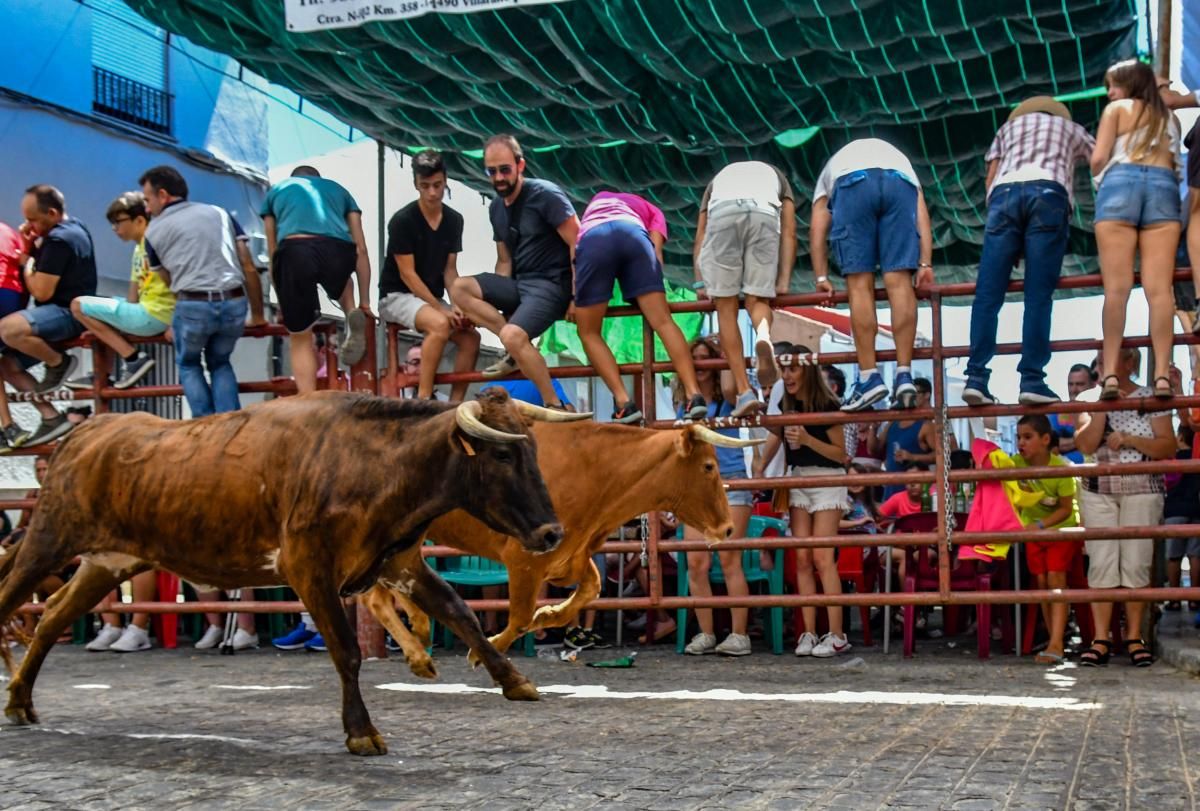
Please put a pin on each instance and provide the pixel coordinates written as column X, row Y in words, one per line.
column 908, row 501
column 1048, row 561
column 424, row 241
column 1182, row 506
column 863, row 513
column 902, row 442
column 63, row 268
column 413, row 368
column 1133, row 500
column 621, row 239
column 146, row 311
column 136, row 635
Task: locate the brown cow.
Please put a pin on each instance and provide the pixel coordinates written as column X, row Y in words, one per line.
column 599, row 477
column 315, row 491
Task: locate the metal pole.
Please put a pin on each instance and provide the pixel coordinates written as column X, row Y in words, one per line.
column 939, row 459
column 380, row 163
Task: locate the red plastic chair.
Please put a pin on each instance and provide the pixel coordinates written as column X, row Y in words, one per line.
column 859, row 566
column 166, row 626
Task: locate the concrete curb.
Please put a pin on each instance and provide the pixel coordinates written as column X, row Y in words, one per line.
column 1179, row 641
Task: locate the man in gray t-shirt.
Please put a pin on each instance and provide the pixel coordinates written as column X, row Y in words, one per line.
column 201, row 252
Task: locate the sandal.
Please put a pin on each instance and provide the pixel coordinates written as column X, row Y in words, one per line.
column 1094, row 656
column 1047, row 658
column 1112, row 392
column 1160, row 392
column 1142, row 657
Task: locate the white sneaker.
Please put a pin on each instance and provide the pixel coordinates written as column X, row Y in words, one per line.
column 806, row 644
column 244, row 641
column 104, row 640
column 212, row 637
column 831, row 645
column 133, row 639
column 701, row 644
column 735, row 645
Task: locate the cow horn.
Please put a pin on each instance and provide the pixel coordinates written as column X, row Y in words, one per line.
column 467, row 417
column 548, row 414
column 706, row 434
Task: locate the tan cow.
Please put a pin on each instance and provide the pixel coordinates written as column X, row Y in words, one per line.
column 599, row 476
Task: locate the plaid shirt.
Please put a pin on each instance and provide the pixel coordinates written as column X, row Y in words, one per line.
column 1132, row 423
column 1038, row 146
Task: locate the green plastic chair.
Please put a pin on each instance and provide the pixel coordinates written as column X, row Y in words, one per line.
column 472, row 570
column 758, row 526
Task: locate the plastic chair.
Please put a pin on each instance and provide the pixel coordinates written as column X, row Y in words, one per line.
column 166, row 626
column 472, row 570
column 760, row 526
column 859, row 566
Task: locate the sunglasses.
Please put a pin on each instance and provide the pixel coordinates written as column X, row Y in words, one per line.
column 788, row 359
column 504, row 170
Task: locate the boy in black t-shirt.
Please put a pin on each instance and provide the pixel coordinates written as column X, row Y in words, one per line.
column 424, row 240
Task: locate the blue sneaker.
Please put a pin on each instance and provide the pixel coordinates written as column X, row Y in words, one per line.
column 1037, row 394
column 316, row 644
column 294, row 639
column 976, row 393
column 1196, row 621
column 904, row 395
column 866, row 392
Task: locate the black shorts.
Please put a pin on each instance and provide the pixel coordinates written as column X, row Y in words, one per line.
column 531, row 304
column 299, row 265
column 1192, row 142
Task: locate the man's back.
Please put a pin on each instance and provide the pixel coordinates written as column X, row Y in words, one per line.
column 67, row 252
column 195, row 243
column 315, row 206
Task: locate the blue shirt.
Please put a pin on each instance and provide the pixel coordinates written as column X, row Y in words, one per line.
column 526, row 391
column 309, row 205
column 730, row 461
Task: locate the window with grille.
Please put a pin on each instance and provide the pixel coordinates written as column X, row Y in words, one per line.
column 129, row 67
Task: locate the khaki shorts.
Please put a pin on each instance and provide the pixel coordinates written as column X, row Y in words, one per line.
column 401, row 308
column 1125, row 563
column 740, row 252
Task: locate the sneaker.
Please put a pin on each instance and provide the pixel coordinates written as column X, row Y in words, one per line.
column 628, row 414
column 735, row 645
column 243, row 640
column 505, row 366
column 697, row 408
column 390, row 643
column 316, row 644
column 105, row 639
column 51, row 429
column 806, row 643
column 13, row 436
column 747, row 405
column 866, row 392
column 133, row 639
column 831, row 645
column 85, row 382
column 976, row 393
column 294, row 639
column 212, row 637
column 598, row 642
column 354, row 340
column 1038, row 394
column 768, row 369
column 576, row 638
column 55, row 375
column 701, row 644
column 904, row 395
column 133, row 371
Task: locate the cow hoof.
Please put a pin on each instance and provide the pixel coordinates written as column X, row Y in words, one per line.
column 473, row 660
column 367, row 745
column 21, row 716
column 423, row 668
column 524, row 690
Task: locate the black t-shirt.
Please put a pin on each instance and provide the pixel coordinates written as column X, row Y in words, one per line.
column 1183, row 500
column 67, row 252
column 537, row 250
column 409, row 234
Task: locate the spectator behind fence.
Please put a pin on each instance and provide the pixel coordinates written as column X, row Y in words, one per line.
column 1030, row 180
column 745, row 246
column 13, row 297
column 621, row 239
column 315, row 238
column 1178, row 101
column 64, row 267
column 535, row 229
column 1048, row 561
column 424, row 241
column 1182, row 506
column 812, row 450
column 1136, row 163
column 869, row 205
column 145, row 312
column 201, row 252
column 413, row 366
column 902, row 442
column 719, row 391
column 1080, row 378
column 1131, row 500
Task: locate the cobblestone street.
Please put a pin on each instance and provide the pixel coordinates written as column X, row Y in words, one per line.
column 177, row 729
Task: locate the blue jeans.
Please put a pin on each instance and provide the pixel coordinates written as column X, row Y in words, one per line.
column 1024, row 219
column 209, row 329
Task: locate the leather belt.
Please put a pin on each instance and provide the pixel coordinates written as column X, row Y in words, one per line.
column 210, row 295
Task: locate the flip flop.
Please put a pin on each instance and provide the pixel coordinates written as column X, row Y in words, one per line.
column 1045, row 658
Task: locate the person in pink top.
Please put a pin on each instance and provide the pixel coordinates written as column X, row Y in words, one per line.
column 621, row 238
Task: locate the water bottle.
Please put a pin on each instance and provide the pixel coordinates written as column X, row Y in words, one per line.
column 926, row 500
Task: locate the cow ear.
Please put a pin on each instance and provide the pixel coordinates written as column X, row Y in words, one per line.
column 459, row 441
column 685, row 442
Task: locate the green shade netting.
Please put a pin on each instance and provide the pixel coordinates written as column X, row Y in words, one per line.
column 623, row 335
column 655, row 96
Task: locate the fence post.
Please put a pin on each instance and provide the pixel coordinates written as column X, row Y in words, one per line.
column 939, row 449
column 364, row 377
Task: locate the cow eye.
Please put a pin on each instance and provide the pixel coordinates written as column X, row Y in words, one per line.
column 709, row 467
column 504, row 456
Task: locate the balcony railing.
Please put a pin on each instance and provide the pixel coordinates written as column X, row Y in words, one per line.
column 132, row 102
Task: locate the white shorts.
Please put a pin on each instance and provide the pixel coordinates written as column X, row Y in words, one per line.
column 816, row 499
column 1125, row 563
column 401, row 308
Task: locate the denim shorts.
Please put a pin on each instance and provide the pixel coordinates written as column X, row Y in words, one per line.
column 874, row 213
column 738, row 498
column 1138, row 195
column 53, row 323
column 131, row 319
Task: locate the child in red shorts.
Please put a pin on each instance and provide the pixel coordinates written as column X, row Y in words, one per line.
column 1048, row 561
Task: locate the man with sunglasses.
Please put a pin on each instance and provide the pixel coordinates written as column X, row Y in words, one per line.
column 535, row 229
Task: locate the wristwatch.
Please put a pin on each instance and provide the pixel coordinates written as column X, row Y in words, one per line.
column 822, row 279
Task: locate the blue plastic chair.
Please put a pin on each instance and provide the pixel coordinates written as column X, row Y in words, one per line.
column 758, row 526
column 472, row 570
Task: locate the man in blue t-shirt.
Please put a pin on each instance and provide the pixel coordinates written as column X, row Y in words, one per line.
column 526, row 391
column 535, row 228
column 315, row 237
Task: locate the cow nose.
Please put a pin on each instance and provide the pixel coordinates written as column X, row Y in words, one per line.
column 549, row 535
